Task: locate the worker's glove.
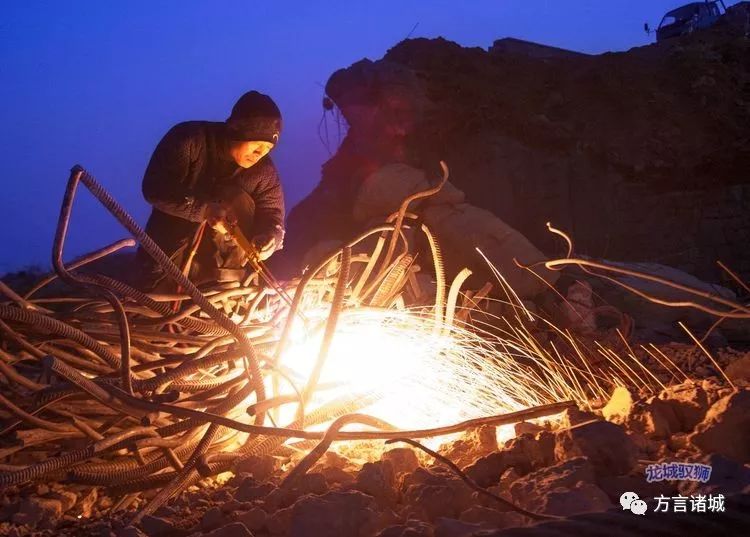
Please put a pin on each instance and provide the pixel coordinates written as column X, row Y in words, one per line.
column 265, row 244
column 220, row 214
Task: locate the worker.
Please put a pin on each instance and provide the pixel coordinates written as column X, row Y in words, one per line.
column 205, row 174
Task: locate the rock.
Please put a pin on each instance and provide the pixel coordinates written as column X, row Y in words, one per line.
column 105, row 503
column 423, row 476
column 336, row 475
column 382, row 192
column 614, row 486
column 213, row 518
column 538, row 450
column 278, row 523
column 564, row 475
column 311, row 483
column 41, row 513
column 377, row 479
column 605, row 444
column 523, row 454
column 254, row 519
column 508, row 477
column 619, row 405
column 250, row 490
column 107, row 528
column 727, row 477
column 566, row 487
column 155, row 526
column 655, row 315
column 19, row 531
column 336, row 460
column 402, row 459
column 87, row 502
column 726, row 428
column 578, row 309
column 437, row 484
column 130, row 531
column 260, row 467
column 530, row 451
column 221, row 495
column 334, row 513
column 639, row 180
column 461, row 228
column 526, row 427
column 449, row 527
column 678, row 442
column 581, row 498
column 471, row 445
column 492, row 518
column 486, row 471
column 278, row 498
column 66, row 498
column 412, row 528
column 166, row 511
column 739, row 369
column 428, row 502
column 575, row 416
column 234, row 506
column 242, row 480
column 689, row 403
column 658, row 419
column 235, row 529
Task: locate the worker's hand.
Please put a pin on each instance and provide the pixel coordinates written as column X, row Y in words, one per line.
column 265, row 244
column 219, row 216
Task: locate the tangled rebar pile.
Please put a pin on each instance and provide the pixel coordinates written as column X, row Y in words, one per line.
column 109, row 386
column 161, row 391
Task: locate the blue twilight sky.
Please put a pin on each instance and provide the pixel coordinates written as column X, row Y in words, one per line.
column 99, row 82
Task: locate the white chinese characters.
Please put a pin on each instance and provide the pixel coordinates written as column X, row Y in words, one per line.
column 713, row 503
column 700, row 503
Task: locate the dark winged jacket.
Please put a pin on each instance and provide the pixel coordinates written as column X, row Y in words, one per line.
column 190, row 168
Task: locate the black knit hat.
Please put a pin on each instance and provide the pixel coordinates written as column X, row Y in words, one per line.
column 255, row 117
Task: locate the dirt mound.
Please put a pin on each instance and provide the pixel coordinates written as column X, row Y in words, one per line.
column 641, row 155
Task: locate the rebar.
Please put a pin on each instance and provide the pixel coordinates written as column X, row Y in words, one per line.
column 168, row 396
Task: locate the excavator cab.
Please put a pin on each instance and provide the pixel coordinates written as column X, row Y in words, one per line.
column 688, row 18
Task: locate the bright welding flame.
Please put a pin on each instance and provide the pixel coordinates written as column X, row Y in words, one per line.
column 422, row 376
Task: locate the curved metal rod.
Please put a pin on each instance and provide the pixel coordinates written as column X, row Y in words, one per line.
column 171, row 270
column 437, row 259
column 455, row 288
column 405, row 205
column 333, row 318
column 57, row 262
column 208, row 417
column 40, row 469
column 85, row 260
column 58, row 327
column 203, row 445
column 300, row 291
column 318, row 451
column 556, row 264
column 471, row 483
